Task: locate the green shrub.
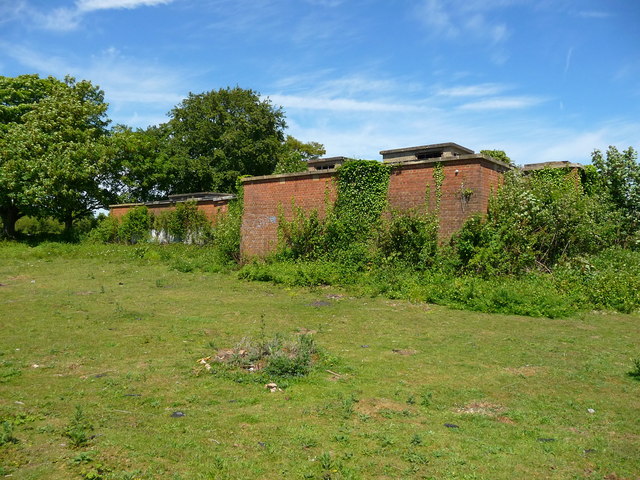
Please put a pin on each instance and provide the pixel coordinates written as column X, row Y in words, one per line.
column 39, row 225
column 226, row 233
column 304, row 236
column 106, row 230
column 185, row 224
column 533, row 222
column 409, row 237
column 635, row 371
column 135, row 226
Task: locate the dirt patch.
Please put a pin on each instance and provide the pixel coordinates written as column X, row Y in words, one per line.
column 87, row 292
column 18, row 277
column 405, row 352
column 334, row 296
column 506, row 420
column 482, row 408
column 375, row 406
column 305, row 331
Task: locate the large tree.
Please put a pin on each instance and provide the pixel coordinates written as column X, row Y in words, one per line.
column 18, row 96
column 212, row 138
column 54, row 160
column 144, row 168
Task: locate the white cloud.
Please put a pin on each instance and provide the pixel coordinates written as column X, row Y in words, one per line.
column 480, row 90
column 130, row 85
column 312, row 102
column 63, row 19
column 454, row 18
column 567, row 62
column 503, row 103
column 91, row 5
column 435, row 16
column 360, row 125
column 60, row 19
column 10, row 10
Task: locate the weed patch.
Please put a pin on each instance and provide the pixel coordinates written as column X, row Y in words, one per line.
column 276, row 358
column 79, row 429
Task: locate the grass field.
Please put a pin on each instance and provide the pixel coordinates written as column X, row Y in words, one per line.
column 99, row 379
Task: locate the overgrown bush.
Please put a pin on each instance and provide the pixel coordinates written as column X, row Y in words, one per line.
column 38, row 225
column 186, row 223
column 346, row 234
column 533, row 222
column 226, row 232
column 106, row 231
column 304, row 236
column 135, row 226
column 408, row 237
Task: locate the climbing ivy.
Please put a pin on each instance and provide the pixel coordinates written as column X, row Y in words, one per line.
column 348, row 229
column 362, row 195
column 438, row 178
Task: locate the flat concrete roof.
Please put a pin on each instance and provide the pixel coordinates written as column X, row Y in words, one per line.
column 434, row 146
column 181, row 197
column 313, row 161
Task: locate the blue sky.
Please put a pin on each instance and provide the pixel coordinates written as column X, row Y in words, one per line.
column 541, row 79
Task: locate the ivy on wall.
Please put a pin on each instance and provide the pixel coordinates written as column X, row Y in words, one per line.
column 349, row 225
column 438, row 178
column 362, row 195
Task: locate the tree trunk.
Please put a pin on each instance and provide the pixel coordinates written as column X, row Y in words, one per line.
column 68, row 224
column 10, row 215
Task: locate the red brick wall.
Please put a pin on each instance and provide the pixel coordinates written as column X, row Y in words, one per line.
column 266, row 197
column 409, row 184
column 210, row 208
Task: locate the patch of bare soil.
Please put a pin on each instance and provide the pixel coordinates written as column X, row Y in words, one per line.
column 405, row 352
column 482, row 408
column 305, row 331
column 374, row 406
column 507, row 420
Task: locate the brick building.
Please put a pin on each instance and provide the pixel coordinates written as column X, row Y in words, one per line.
column 469, row 180
column 211, row 203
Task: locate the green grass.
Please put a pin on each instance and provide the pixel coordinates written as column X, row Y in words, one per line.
column 116, row 333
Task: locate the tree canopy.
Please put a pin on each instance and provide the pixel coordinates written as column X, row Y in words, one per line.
column 498, row 155
column 212, row 138
column 295, row 153
column 53, row 156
